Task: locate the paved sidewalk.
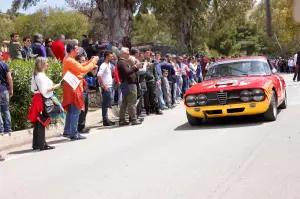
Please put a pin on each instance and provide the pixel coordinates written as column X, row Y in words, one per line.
column 18, row 138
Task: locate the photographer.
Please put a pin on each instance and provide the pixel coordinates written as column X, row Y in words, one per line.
column 129, row 87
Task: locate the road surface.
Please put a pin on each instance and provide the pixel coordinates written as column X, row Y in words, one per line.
column 165, row 158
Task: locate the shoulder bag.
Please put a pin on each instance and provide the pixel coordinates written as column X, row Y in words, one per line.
column 50, row 108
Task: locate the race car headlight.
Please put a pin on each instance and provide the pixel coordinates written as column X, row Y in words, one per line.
column 258, row 94
column 201, row 100
column 246, row 95
column 190, row 100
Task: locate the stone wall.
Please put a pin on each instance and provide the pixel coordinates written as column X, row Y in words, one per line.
column 95, row 99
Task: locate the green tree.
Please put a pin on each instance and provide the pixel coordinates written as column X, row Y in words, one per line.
column 6, row 26
column 52, row 23
column 115, row 14
column 285, row 39
column 148, row 29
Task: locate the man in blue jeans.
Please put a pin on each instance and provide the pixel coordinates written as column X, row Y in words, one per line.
column 105, row 81
column 6, row 91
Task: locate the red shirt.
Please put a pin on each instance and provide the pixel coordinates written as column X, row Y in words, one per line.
column 58, row 49
column 116, row 75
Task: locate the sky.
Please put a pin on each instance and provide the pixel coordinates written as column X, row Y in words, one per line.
column 6, row 4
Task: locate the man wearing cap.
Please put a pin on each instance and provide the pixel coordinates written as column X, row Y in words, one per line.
column 129, row 85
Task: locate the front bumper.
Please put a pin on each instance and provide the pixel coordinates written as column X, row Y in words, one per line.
column 250, row 108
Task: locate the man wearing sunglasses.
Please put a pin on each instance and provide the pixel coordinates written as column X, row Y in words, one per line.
column 27, row 50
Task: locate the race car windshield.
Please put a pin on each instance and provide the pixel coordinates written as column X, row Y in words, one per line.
column 243, row 68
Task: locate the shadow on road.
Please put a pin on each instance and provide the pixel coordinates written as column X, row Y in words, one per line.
column 63, row 140
column 22, row 152
column 219, row 123
column 31, row 150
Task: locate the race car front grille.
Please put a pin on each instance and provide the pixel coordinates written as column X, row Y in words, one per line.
column 222, row 97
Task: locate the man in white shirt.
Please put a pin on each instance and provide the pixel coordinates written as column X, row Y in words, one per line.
column 291, row 65
column 106, row 82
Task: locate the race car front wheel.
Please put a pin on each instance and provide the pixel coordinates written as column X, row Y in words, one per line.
column 283, row 105
column 271, row 114
column 193, row 121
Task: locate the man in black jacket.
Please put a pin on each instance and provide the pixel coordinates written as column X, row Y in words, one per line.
column 152, row 82
column 129, row 82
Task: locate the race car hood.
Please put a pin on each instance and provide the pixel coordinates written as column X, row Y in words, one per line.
column 231, row 83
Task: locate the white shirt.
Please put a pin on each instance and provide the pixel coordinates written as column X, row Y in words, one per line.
column 291, row 63
column 106, row 74
column 295, row 59
column 43, row 83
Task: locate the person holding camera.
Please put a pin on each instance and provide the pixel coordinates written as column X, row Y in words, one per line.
column 73, row 100
column 129, row 87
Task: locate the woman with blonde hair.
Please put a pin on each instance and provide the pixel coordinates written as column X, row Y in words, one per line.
column 43, row 88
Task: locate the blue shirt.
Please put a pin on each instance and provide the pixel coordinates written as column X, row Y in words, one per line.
column 4, row 69
column 168, row 67
column 158, row 69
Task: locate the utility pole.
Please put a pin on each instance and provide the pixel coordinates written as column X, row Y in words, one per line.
column 269, row 19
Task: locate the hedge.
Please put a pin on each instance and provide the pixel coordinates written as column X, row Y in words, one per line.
column 21, row 100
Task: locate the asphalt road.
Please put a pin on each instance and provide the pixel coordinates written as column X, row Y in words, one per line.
column 165, row 158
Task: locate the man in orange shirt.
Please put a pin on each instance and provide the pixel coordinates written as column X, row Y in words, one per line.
column 73, row 100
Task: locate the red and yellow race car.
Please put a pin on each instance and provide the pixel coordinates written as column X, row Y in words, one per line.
column 237, row 87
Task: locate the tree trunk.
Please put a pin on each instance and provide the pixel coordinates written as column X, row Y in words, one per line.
column 185, row 32
column 118, row 14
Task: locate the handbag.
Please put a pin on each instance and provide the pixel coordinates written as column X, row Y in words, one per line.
column 50, row 108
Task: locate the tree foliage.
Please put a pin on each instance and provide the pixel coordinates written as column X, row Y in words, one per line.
column 52, row 23
column 6, row 26
column 115, row 14
column 223, row 27
column 148, row 29
column 285, row 39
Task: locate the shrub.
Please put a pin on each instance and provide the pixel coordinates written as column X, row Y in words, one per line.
column 21, row 100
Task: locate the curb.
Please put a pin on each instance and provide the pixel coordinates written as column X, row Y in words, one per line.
column 19, row 138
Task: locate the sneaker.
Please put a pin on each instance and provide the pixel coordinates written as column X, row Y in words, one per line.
column 123, row 123
column 66, row 135
column 106, row 123
column 164, row 108
column 136, row 122
column 77, row 137
column 158, row 112
column 84, row 131
column 142, row 116
column 113, row 123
